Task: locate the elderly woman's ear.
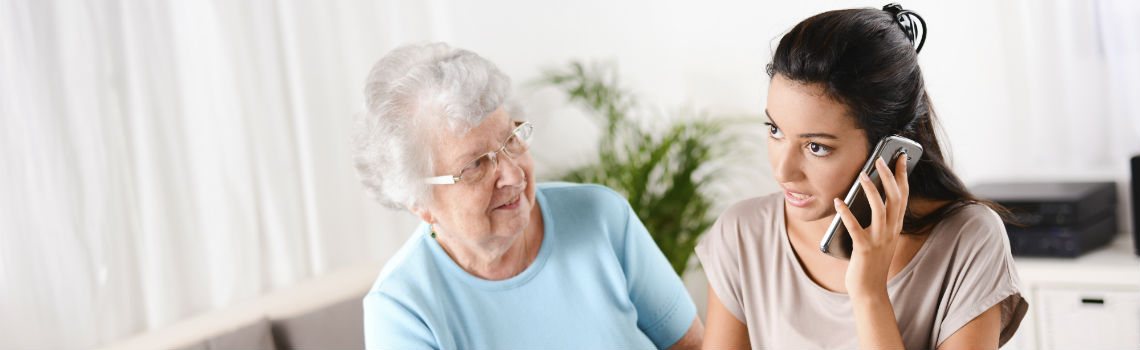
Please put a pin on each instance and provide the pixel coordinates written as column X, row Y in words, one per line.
column 422, row 212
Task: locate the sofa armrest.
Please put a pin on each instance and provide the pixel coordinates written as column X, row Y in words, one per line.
column 324, row 312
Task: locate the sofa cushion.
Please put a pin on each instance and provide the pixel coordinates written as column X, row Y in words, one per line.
column 322, row 313
column 196, row 346
column 257, row 335
column 336, row 326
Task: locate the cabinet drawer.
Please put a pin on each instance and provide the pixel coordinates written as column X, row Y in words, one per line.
column 1087, row 317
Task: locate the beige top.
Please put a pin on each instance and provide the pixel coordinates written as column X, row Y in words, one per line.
column 962, row 270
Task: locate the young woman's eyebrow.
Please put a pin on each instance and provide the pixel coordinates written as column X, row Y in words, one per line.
column 815, row 135
column 769, row 115
column 818, row 136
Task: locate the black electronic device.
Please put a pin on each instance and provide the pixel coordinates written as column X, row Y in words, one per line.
column 1136, row 203
column 1052, row 204
column 836, row 241
column 1063, row 219
column 1061, row 241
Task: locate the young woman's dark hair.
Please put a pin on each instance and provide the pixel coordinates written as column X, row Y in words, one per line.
column 864, row 59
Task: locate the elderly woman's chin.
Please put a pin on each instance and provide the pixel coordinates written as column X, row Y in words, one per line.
column 513, row 217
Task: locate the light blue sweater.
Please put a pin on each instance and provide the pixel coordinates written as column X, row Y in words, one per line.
column 599, row 282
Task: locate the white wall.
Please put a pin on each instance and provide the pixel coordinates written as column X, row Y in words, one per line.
column 1011, row 106
column 1022, row 87
column 979, row 67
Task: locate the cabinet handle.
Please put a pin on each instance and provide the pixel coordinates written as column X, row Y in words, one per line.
column 1097, row 301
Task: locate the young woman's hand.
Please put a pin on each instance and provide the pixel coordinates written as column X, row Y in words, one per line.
column 873, row 248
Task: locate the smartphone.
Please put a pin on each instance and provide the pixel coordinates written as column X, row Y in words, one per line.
column 836, row 241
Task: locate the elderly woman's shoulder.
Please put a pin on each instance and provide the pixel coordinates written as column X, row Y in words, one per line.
column 591, row 193
column 408, row 266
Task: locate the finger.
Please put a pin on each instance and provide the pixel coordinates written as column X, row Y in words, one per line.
column 893, row 200
column 890, row 186
column 902, row 179
column 878, row 211
column 901, row 176
column 858, row 235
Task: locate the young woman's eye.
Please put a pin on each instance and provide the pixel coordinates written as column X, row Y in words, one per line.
column 818, row 149
column 774, row 132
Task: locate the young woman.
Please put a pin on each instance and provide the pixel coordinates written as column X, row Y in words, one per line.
column 933, row 269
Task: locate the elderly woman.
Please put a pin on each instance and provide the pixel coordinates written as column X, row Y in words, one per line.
column 499, row 261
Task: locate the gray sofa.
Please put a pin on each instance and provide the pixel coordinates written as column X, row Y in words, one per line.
column 323, row 313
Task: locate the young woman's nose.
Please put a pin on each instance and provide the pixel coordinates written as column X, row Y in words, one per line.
column 786, row 164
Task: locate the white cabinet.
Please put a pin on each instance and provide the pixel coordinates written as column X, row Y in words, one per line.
column 1092, row 302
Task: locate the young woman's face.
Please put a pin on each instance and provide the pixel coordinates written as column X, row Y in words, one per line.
column 814, row 148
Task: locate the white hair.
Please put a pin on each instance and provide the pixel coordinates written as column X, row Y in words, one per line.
column 409, row 90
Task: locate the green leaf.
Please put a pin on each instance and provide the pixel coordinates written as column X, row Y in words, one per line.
column 665, row 173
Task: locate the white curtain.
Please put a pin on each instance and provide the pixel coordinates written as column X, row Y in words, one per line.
column 1075, row 69
column 1074, row 78
column 162, row 158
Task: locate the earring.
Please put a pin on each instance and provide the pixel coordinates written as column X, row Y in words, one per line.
column 432, row 228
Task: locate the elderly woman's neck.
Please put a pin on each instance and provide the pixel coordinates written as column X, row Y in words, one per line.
column 498, row 264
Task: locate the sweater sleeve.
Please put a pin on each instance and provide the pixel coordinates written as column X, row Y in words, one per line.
column 982, row 275
column 719, row 254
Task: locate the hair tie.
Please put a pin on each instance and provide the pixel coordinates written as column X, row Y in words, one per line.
column 906, row 20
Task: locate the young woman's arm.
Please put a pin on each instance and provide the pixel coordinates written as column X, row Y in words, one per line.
column 692, row 338
column 875, row 322
column 983, row 332
column 723, row 331
column 873, row 249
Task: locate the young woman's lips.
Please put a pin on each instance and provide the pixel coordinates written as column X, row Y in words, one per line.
column 798, row 199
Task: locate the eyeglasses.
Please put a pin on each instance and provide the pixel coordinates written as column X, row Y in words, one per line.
column 476, row 169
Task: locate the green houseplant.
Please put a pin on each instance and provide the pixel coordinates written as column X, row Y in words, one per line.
column 665, row 169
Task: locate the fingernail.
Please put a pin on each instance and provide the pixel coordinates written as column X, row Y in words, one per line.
column 835, row 201
column 881, row 161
